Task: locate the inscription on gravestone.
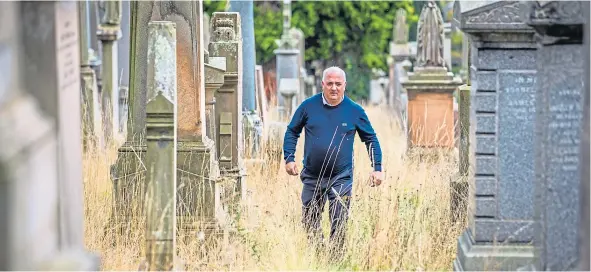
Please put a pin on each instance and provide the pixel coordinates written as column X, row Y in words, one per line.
column 517, row 98
column 560, row 167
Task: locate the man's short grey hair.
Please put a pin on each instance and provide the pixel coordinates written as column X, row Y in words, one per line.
column 334, row 69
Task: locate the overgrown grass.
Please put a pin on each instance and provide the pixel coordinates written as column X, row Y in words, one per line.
column 402, row 225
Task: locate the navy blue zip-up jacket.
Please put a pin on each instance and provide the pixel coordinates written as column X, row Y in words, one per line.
column 330, row 134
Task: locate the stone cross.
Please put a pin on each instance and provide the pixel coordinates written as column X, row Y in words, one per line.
column 161, row 145
column 400, row 30
column 502, row 124
column 40, row 131
column 559, row 115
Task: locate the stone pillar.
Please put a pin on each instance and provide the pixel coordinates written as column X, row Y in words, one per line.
column 226, row 42
column 41, row 190
column 459, row 184
column 502, row 113
column 90, row 112
column 559, row 115
column 109, row 32
column 161, row 148
column 447, row 45
column 123, row 47
column 261, row 95
column 252, row 120
column 286, row 57
column 196, row 165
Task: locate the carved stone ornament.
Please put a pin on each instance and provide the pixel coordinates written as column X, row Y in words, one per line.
column 557, row 12
column 430, row 36
column 400, row 27
column 510, row 13
column 223, row 30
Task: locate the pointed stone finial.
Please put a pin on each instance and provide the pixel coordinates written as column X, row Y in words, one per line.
column 430, row 35
column 286, row 15
column 400, row 34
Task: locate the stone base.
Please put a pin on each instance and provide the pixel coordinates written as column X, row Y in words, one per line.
column 488, row 257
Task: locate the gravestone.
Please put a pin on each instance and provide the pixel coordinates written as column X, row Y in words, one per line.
column 196, row 163
column 226, row 42
column 41, row 186
column 262, row 97
column 109, row 32
column 123, row 48
column 430, row 86
column 559, row 112
column 252, row 121
column 161, row 145
column 584, row 214
column 503, row 115
column 286, row 56
column 90, row 112
column 447, row 45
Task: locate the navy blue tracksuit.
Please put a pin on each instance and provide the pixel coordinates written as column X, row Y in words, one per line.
column 328, row 159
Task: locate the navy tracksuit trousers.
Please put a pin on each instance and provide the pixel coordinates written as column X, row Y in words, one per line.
column 337, row 190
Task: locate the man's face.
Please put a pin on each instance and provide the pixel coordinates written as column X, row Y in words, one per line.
column 333, row 86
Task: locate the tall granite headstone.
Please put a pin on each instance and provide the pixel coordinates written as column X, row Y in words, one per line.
column 503, row 116
column 559, row 115
column 41, row 187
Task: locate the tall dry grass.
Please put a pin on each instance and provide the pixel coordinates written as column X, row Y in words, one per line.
column 404, row 224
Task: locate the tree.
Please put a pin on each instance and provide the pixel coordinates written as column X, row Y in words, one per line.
column 345, row 33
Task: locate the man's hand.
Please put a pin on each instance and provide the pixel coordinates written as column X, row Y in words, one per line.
column 376, row 178
column 291, row 168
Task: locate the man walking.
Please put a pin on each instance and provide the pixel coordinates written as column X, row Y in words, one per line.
column 331, row 121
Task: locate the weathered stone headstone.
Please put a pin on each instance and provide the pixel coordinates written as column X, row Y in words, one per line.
column 109, row 32
column 447, row 45
column 502, row 125
column 123, row 47
column 215, row 69
column 197, row 168
column 226, row 42
column 41, row 190
column 262, row 97
column 430, row 87
column 559, row 113
column 90, row 112
column 286, row 56
column 161, row 146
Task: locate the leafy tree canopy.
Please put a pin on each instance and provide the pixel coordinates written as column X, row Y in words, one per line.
column 331, row 28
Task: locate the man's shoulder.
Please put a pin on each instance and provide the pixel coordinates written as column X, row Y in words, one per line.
column 354, row 105
column 311, row 99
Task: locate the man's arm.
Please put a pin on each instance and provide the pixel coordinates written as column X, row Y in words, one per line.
column 369, row 137
column 292, row 133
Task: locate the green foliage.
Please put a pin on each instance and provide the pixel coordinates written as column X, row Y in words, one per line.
column 355, row 33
